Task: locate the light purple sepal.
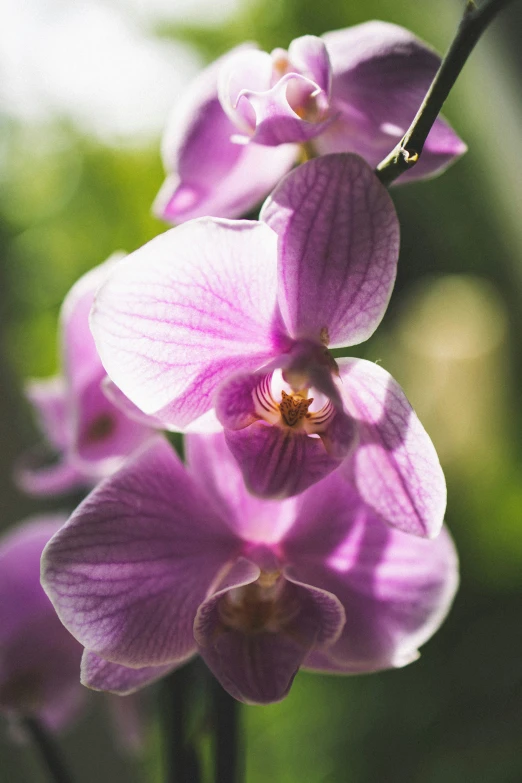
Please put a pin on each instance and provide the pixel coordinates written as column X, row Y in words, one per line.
column 395, row 467
column 381, row 73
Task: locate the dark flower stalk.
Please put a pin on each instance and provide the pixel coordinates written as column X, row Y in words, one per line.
column 408, row 151
column 49, row 751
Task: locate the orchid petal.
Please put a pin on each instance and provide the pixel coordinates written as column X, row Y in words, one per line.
column 395, row 467
column 258, row 668
column 102, row 433
column 79, row 354
column 39, row 659
column 271, row 109
column 245, row 68
column 309, row 55
column 128, row 571
column 212, row 465
column 381, row 73
column 277, row 462
column 208, row 173
column 185, row 311
column 100, row 675
column 338, row 249
column 396, row 589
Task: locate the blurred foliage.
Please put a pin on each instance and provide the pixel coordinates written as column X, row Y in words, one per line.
column 68, row 202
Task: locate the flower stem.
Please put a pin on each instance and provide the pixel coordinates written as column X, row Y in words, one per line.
column 181, row 761
column 48, row 750
column 408, row 151
column 227, row 756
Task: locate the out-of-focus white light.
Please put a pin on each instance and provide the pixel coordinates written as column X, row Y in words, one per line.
column 87, row 61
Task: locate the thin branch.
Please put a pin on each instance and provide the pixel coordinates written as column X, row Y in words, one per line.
column 408, row 151
column 49, row 751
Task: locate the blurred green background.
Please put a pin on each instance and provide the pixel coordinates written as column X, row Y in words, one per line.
column 73, row 192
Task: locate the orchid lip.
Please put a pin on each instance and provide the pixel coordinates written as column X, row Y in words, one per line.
column 259, row 607
column 293, row 411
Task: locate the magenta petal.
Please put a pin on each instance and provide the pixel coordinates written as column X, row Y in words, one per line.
column 128, row 571
column 100, row 675
column 80, row 357
column 396, row 589
column 309, row 55
column 211, row 464
column 234, row 402
column 337, row 266
column 103, row 434
column 395, row 467
column 293, row 110
column 276, row 462
column 208, row 173
column 381, row 73
column 259, row 667
column 39, row 659
column 185, row 311
column 243, row 69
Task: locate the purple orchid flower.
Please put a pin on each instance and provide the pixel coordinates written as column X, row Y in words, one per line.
column 39, row 659
column 78, row 411
column 238, row 315
column 242, row 123
column 162, row 562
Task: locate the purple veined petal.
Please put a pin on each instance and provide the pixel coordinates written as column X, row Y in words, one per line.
column 308, row 54
column 128, row 571
column 102, row 433
column 338, row 249
column 208, row 174
column 395, row 467
column 185, row 311
column 396, row 589
column 101, row 675
column 381, row 73
column 278, row 463
column 258, row 666
column 212, row 465
column 48, row 398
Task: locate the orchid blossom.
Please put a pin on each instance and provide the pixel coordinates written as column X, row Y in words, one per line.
column 39, row 659
column 239, row 316
column 162, row 562
column 242, row 124
column 76, row 413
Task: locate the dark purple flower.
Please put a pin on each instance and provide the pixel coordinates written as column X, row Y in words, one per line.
column 161, row 562
column 239, row 316
column 90, row 433
column 39, row 659
column 241, row 125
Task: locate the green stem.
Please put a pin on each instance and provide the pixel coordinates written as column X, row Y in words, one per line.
column 48, row 750
column 407, row 152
